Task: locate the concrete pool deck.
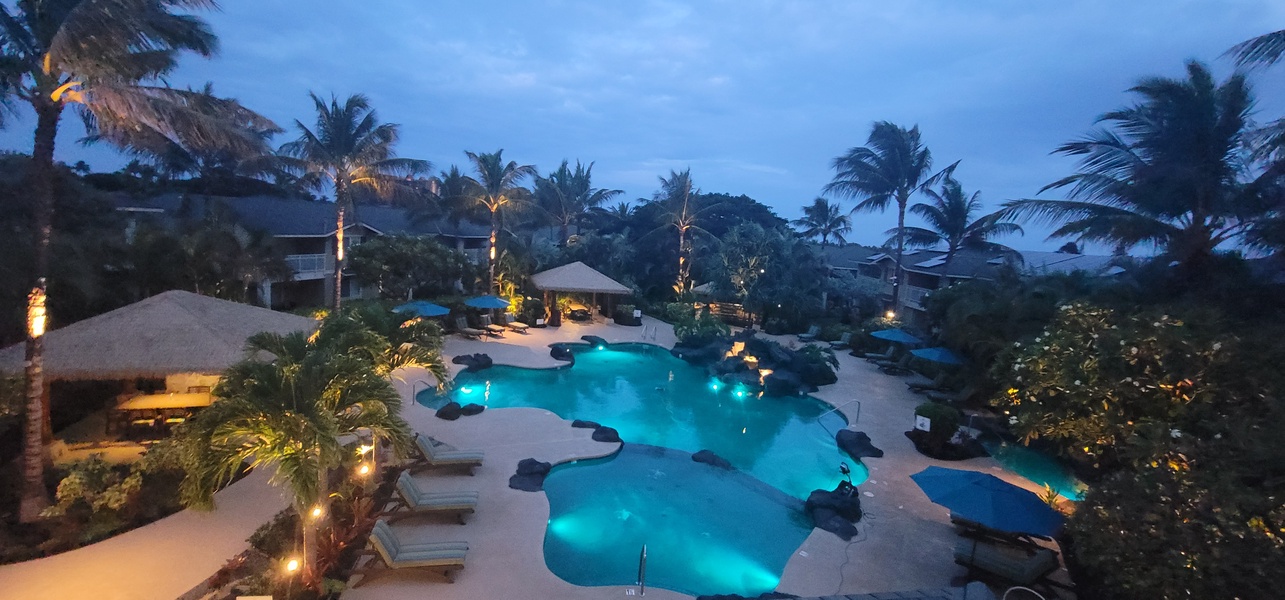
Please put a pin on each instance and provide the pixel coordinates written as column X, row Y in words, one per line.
column 905, row 541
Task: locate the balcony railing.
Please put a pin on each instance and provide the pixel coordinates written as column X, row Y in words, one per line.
column 308, row 266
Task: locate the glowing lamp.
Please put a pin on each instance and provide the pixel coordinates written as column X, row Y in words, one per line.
column 466, row 389
column 317, row 512
column 36, row 314
column 292, row 565
column 364, row 470
column 890, row 315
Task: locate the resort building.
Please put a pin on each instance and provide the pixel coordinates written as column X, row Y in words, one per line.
column 305, row 230
column 928, row 270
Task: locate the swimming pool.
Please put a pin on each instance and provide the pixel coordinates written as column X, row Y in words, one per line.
column 653, row 398
column 1036, row 466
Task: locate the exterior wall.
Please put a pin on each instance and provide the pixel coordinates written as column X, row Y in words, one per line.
column 180, row 382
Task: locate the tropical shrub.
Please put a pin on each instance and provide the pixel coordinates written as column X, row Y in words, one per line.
column 945, row 421
column 700, row 330
column 676, row 312
column 816, row 365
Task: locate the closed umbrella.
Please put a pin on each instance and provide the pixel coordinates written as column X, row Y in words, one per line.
column 423, row 308
column 896, row 335
column 489, row 302
column 988, row 500
column 939, row 355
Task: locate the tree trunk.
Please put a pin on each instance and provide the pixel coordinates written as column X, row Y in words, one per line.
column 339, row 252
column 312, row 529
column 495, row 227
column 897, row 272
column 682, row 261
column 34, row 498
column 564, row 231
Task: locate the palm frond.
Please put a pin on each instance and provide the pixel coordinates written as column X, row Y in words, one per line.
column 1264, row 50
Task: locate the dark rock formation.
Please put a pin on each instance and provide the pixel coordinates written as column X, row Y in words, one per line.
column 562, row 353
column 594, row 341
column 585, row 424
column 925, row 446
column 708, row 457
column 782, row 383
column 450, row 411
column 530, row 475
column 471, row 409
column 856, row 444
column 606, row 434
column 473, row 362
column 835, row 511
column 703, row 355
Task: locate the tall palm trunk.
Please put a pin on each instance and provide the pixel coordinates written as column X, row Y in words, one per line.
column 897, row 273
column 495, row 228
column 680, row 287
column 341, row 209
column 312, row 529
column 564, row 232
column 34, row 498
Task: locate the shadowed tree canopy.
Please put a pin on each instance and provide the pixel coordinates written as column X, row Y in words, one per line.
column 824, row 220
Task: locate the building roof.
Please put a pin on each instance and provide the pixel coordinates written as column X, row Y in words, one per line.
column 577, row 277
column 1049, row 263
column 974, row 264
column 847, row 256
column 285, row 217
column 172, row 332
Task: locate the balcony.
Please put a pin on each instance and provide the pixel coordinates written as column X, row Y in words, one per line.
column 308, row 266
column 913, row 297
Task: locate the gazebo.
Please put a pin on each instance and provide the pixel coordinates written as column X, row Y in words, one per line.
column 576, row 277
column 185, row 338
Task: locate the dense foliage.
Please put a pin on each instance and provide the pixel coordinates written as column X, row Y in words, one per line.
column 403, row 267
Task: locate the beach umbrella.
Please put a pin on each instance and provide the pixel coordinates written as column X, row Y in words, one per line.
column 939, row 355
column 896, row 335
column 423, row 308
column 490, row 302
column 988, row 500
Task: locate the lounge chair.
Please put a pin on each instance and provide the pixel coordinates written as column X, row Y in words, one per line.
column 923, row 384
column 958, row 397
column 492, row 329
column 410, row 500
column 878, row 356
column 462, row 328
column 895, row 367
column 1011, row 564
column 514, row 324
column 430, row 456
column 811, row 335
column 843, row 342
column 386, row 547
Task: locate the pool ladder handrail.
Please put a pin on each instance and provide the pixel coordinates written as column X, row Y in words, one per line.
column 642, row 571
column 855, row 418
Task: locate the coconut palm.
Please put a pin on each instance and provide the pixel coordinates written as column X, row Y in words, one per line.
column 388, row 340
column 1173, row 172
column 289, row 414
column 824, row 220
column 1264, row 50
column 681, row 211
column 100, row 58
column 350, row 151
column 892, row 166
column 566, row 196
column 499, row 187
column 454, row 197
column 949, row 215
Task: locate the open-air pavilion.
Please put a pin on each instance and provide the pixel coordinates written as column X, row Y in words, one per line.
column 576, row 278
column 186, row 339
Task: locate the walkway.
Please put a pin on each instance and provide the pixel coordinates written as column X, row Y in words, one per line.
column 160, row 561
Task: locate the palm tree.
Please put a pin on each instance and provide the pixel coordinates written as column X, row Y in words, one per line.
column 565, row 196
column 454, row 197
column 1264, row 50
column 289, row 414
column 98, row 56
column 1172, row 172
column 825, row 220
column 893, row 165
column 949, row 215
column 349, row 150
column 388, row 340
column 681, row 212
column 499, row 188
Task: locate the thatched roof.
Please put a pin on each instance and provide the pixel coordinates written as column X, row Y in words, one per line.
column 577, row 277
column 173, row 332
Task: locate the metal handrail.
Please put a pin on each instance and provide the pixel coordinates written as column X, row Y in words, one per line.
column 855, row 418
column 642, row 571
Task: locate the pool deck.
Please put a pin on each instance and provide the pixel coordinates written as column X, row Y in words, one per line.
column 905, row 541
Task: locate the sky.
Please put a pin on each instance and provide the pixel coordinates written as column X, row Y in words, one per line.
column 757, row 97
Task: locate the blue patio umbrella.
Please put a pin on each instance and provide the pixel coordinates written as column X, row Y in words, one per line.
column 939, row 355
column 423, row 308
column 988, row 500
column 896, row 335
column 490, row 302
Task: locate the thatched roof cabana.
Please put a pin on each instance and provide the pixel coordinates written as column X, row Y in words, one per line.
column 173, row 332
column 577, row 277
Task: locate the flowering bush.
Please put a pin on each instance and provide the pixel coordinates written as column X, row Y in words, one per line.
column 1094, row 379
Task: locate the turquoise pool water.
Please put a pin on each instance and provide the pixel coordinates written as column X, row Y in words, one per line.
column 1036, row 466
column 707, row 530
column 603, row 510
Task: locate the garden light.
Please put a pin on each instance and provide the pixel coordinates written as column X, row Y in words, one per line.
column 317, row 512
column 890, row 315
column 364, row 469
column 292, row 565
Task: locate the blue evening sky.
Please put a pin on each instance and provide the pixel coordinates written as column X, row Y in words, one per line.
column 757, row 97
